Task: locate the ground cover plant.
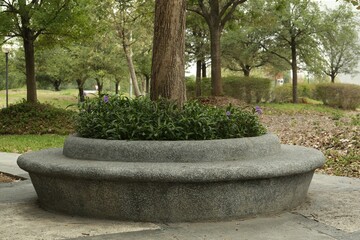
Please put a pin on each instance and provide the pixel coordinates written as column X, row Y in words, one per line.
column 142, row 119
column 29, row 118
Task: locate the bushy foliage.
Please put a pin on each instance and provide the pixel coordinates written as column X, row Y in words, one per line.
column 283, row 94
column 340, row 95
column 141, row 119
column 248, row 89
column 30, row 118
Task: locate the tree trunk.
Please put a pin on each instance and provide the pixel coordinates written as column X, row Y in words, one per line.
column 99, row 85
column 56, row 85
column 128, row 54
column 198, row 78
column 203, row 68
column 168, row 62
column 117, row 84
column 246, row 70
column 147, row 85
column 216, row 82
column 81, row 90
column 30, row 66
column 332, row 76
column 294, row 71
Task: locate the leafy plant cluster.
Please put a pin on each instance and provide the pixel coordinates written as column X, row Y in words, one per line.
column 247, row 89
column 30, row 118
column 141, row 119
column 283, row 94
column 340, row 95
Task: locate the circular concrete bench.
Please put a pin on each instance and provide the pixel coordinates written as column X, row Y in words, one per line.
column 172, row 181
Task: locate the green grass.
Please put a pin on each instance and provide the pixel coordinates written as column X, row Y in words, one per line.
column 26, row 143
column 61, row 99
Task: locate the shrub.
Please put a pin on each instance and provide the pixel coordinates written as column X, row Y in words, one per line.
column 283, row 94
column 191, row 87
column 30, row 118
column 340, row 95
column 142, row 119
column 249, row 89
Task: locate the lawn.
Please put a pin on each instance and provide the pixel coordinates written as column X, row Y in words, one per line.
column 27, row 143
column 61, row 99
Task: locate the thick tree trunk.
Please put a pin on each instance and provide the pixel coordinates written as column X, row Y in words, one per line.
column 246, row 70
column 81, row 90
column 332, row 76
column 30, row 66
column 294, row 71
column 168, row 62
column 203, row 68
column 198, row 78
column 216, row 82
column 56, row 85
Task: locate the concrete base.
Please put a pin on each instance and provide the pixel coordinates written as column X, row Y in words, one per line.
column 172, row 191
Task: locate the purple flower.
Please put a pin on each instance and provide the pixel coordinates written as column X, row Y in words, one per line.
column 106, row 99
column 258, row 110
column 228, row 113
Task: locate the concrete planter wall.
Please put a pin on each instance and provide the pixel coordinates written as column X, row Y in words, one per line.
column 171, row 181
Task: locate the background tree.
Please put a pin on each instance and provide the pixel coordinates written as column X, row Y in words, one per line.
column 52, row 66
column 168, row 62
column 216, row 14
column 340, row 51
column 294, row 36
column 28, row 20
column 197, row 46
column 241, row 43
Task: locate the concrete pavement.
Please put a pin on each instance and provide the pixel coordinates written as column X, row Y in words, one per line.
column 332, row 211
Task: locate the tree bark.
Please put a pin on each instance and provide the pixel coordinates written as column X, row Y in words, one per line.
column 168, row 62
column 294, row 70
column 128, row 54
column 56, row 85
column 216, row 81
column 99, row 85
column 81, row 90
column 246, row 70
column 147, row 85
column 198, row 78
column 203, row 68
column 30, row 65
column 117, row 84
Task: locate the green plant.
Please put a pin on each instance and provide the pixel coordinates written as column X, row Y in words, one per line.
column 26, row 143
column 340, row 95
column 283, row 94
column 142, row 119
column 29, row 118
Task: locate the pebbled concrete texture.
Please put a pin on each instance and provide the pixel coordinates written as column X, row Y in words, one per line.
column 171, row 151
column 173, row 191
column 329, row 198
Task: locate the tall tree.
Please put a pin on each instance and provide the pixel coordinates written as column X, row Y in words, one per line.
column 30, row 19
column 216, row 14
column 168, row 63
column 197, row 45
column 294, row 37
column 241, row 48
column 340, row 51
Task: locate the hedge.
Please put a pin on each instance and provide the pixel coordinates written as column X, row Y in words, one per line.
column 340, row 95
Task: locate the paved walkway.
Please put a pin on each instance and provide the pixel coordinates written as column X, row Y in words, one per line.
column 332, row 211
